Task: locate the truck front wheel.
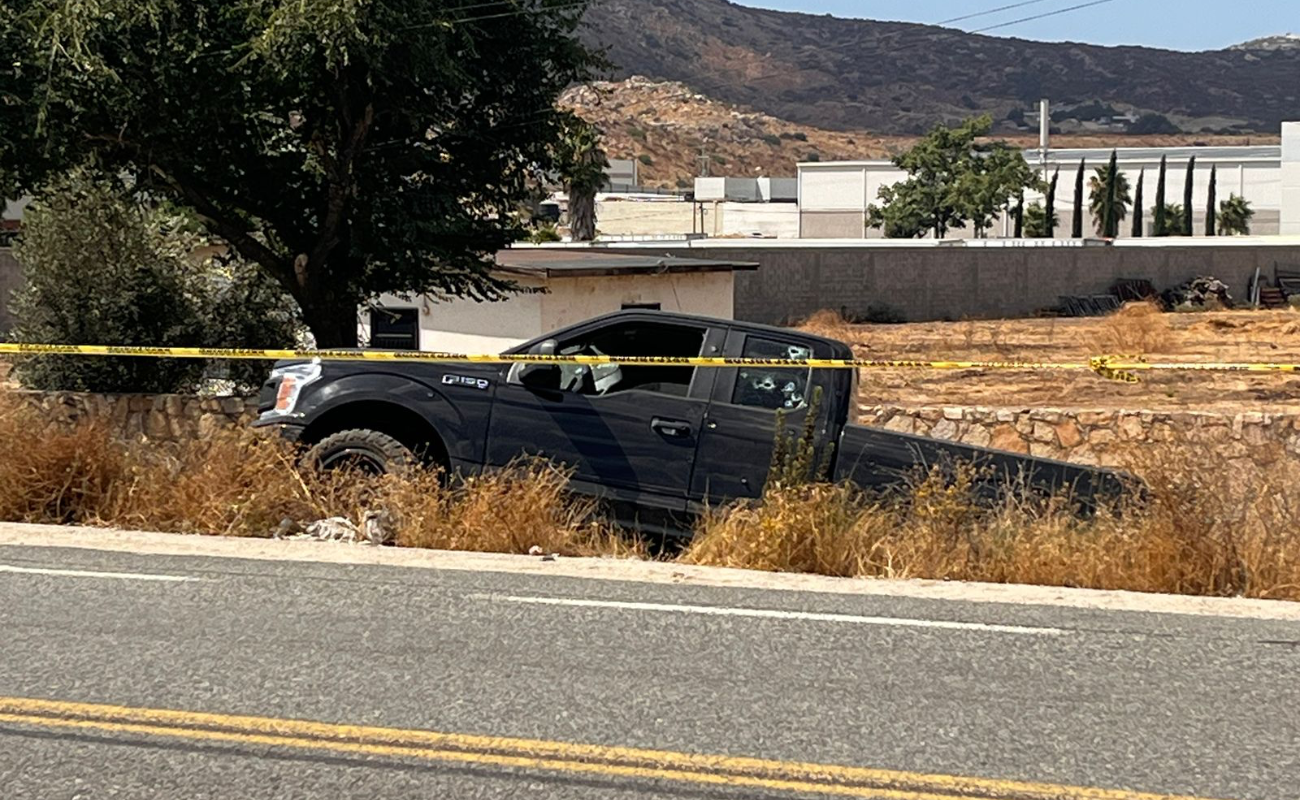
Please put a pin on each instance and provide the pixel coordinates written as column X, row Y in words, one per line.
column 369, row 451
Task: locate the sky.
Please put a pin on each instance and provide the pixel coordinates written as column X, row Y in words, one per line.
column 1172, row 24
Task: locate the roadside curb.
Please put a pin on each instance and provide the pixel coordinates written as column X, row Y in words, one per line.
column 19, row 535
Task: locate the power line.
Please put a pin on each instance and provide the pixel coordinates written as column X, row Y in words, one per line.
column 537, row 116
column 515, row 12
column 1045, row 15
column 990, row 11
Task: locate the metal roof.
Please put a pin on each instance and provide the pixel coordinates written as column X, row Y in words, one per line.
column 1254, row 153
column 573, row 263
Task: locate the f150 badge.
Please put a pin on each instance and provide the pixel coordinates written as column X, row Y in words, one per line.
column 460, row 380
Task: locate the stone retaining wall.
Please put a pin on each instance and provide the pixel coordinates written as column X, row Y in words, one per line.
column 1098, row 437
column 161, row 418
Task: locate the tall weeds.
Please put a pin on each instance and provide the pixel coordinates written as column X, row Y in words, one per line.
column 1191, row 536
column 1203, row 530
column 242, row 484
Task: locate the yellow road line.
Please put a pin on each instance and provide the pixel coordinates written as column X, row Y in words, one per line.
column 622, row 762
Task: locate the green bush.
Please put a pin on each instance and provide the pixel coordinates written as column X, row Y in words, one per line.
column 646, row 159
column 543, row 233
column 100, row 266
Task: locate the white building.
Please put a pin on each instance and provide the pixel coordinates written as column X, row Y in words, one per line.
column 562, row 286
column 834, row 196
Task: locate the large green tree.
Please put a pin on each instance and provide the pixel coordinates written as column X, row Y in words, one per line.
column 1109, row 198
column 954, row 178
column 347, row 147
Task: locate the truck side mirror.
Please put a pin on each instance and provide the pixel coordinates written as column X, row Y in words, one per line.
column 541, row 376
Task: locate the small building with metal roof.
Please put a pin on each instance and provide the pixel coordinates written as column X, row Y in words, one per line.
column 557, row 287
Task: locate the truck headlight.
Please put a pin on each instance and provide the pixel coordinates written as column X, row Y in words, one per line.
column 292, row 381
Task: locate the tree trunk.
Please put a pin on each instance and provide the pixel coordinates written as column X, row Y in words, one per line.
column 333, row 322
column 582, row 216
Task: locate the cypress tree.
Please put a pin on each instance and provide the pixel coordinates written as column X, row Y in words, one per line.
column 1187, row 196
column 1078, row 204
column 1210, row 208
column 1109, row 219
column 1020, row 216
column 1161, row 223
column 1050, row 231
column 1137, row 206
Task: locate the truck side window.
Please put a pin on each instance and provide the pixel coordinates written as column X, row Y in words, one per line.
column 633, row 339
column 783, row 388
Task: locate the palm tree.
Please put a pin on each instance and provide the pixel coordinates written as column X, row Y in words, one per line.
column 1049, row 214
column 1109, row 198
column 1172, row 211
column 1138, row 232
column 582, row 164
column 1234, row 216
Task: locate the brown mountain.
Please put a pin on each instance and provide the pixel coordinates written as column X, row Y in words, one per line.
column 901, row 78
column 668, row 128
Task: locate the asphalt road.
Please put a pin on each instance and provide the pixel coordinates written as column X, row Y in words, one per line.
column 912, row 689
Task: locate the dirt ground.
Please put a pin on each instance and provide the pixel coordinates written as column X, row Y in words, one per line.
column 1270, row 336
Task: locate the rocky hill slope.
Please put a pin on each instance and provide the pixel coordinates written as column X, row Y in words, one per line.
column 669, row 126
column 901, row 78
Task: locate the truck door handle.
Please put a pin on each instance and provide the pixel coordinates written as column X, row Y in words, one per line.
column 670, row 427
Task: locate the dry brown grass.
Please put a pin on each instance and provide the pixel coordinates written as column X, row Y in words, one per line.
column 1136, row 329
column 242, row 484
column 1207, row 529
column 1191, row 538
column 832, row 325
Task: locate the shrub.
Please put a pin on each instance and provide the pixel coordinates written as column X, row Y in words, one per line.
column 646, row 158
column 772, row 139
column 545, row 232
column 102, row 266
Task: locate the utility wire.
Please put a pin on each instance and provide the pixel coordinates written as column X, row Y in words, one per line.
column 1045, row 15
column 540, row 114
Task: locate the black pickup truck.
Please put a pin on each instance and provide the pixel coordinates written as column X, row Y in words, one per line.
column 656, row 443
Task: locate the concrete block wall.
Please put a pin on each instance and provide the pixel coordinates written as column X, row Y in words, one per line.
column 939, row 283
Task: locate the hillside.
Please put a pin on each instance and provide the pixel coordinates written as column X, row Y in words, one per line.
column 901, row 78
column 666, row 124
column 1285, row 41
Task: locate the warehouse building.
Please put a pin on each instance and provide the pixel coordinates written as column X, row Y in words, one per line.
column 834, row 196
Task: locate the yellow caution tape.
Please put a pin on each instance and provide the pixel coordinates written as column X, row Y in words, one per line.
column 1120, row 368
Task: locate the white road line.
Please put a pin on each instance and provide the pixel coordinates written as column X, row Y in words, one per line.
column 123, row 576
column 761, row 613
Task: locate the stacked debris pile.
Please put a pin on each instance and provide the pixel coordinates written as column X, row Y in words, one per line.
column 1198, row 294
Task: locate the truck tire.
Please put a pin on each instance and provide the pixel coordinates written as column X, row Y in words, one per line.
column 369, row 451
